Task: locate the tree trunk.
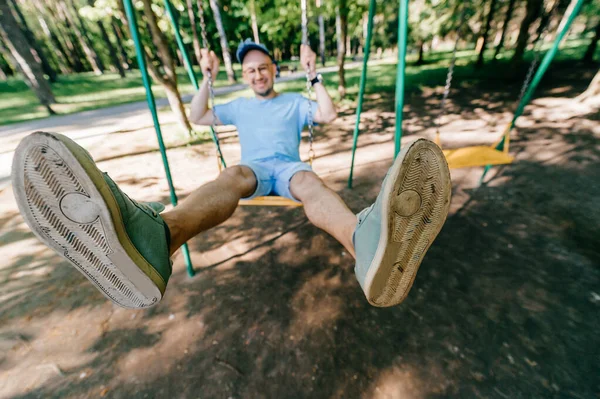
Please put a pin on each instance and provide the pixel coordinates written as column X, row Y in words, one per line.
column 194, row 25
column 321, row 33
column 19, row 48
column 86, row 37
column 214, row 5
column 592, row 90
column 113, row 55
column 90, row 54
column 35, row 48
column 3, row 76
column 64, row 63
column 589, row 53
column 421, row 53
column 486, row 32
column 507, row 18
column 65, row 32
column 533, row 12
column 254, row 21
column 9, row 62
column 545, row 16
column 169, row 80
column 341, row 27
column 120, row 38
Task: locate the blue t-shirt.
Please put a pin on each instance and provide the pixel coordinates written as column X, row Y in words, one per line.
column 268, row 128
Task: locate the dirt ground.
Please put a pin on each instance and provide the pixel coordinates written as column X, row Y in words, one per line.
column 506, row 304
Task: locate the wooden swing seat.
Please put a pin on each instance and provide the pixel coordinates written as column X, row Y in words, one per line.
column 269, row 201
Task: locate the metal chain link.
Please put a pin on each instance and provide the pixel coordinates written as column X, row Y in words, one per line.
column 536, row 57
column 211, row 90
column 311, row 152
column 450, row 74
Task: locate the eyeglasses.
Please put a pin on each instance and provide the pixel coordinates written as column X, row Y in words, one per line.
column 262, row 70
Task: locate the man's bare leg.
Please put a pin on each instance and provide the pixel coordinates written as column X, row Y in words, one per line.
column 209, row 205
column 324, row 208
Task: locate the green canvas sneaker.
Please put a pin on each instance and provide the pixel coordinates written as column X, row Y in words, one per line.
column 120, row 245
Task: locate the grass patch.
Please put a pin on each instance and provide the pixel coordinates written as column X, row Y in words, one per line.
column 86, row 91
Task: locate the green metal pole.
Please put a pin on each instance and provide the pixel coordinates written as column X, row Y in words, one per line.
column 179, row 40
column 566, row 24
column 546, row 61
column 402, row 39
column 363, row 83
column 188, row 67
column 129, row 10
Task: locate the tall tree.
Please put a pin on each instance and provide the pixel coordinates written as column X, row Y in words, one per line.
column 120, row 38
column 214, row 5
column 169, row 79
column 45, row 19
column 534, row 8
column 254, row 21
column 194, row 26
column 80, row 32
column 592, row 90
column 7, row 62
column 64, row 62
column 507, row 18
column 341, row 27
column 35, row 48
column 589, row 53
column 424, row 23
column 486, row 32
column 112, row 54
column 28, row 66
column 65, row 33
column 321, row 33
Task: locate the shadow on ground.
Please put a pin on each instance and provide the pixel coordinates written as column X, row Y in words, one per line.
column 505, row 305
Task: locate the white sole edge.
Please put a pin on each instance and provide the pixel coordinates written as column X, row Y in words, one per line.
column 405, row 239
column 49, row 183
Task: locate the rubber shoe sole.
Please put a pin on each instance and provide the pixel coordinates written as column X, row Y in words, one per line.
column 66, row 202
column 418, row 191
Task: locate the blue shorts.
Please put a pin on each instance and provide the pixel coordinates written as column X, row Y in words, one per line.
column 273, row 175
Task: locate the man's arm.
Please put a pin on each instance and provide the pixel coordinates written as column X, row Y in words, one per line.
column 200, row 114
column 326, row 111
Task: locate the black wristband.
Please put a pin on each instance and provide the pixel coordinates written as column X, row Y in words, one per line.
column 316, row 79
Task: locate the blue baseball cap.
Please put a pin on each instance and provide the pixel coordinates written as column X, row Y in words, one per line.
column 248, row 45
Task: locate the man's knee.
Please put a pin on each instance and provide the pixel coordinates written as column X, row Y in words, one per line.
column 239, row 177
column 304, row 184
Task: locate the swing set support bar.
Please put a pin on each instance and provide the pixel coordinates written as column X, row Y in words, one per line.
column 363, row 82
column 564, row 26
column 401, row 71
column 130, row 11
column 189, row 69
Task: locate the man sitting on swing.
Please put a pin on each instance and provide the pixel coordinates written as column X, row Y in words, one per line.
column 124, row 246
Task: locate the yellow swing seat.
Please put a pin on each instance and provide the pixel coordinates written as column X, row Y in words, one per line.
column 479, row 155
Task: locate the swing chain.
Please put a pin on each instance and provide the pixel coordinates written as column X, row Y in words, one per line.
column 211, row 89
column 536, row 55
column 449, row 76
column 311, row 152
column 202, row 25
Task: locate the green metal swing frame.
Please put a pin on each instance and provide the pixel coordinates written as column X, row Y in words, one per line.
column 400, row 79
column 502, row 144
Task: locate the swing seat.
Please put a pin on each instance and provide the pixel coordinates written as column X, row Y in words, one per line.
column 482, row 155
column 269, row 201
